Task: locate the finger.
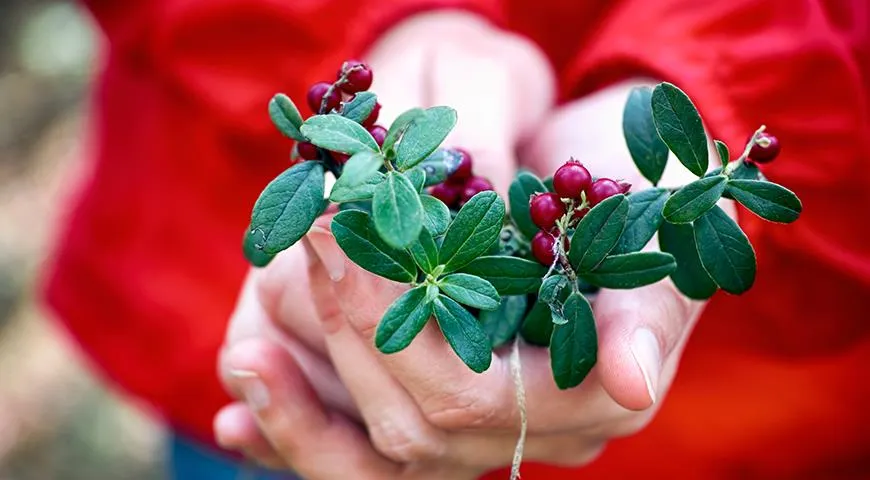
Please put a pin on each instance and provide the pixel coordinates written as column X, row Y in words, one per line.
column 236, row 429
column 317, row 444
column 449, row 394
column 395, row 424
column 638, row 330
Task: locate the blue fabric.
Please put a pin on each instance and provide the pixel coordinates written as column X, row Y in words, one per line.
column 192, row 461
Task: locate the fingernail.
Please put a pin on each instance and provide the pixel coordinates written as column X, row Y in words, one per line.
column 255, row 391
column 645, row 350
column 332, row 259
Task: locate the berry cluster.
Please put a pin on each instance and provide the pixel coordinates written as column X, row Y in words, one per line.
column 462, row 184
column 575, row 192
column 324, row 97
column 765, row 148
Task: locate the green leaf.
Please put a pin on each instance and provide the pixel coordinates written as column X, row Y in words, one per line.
column 359, row 107
column 725, row 252
column 766, row 199
column 425, row 252
column 424, row 135
column 631, row 270
column 521, row 190
column 342, row 193
column 436, row 215
column 463, row 333
column 548, row 182
column 722, row 150
column 647, row 149
column 470, row 290
column 475, row 228
column 551, row 288
column 252, row 246
column 598, row 232
column 360, row 168
column 417, row 178
column 537, row 327
column 400, row 124
column 286, row 117
column 398, row 213
column 509, row 275
column 355, row 233
column 746, row 171
column 694, row 199
column 644, row 217
column 437, row 166
column 574, row 345
column 288, row 206
column 338, row 134
column 403, row 321
column 503, row 323
column 690, row 276
column 680, row 127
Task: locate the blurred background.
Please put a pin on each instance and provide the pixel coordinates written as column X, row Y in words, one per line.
column 56, row 420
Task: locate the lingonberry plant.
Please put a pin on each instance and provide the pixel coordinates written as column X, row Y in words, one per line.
column 414, row 212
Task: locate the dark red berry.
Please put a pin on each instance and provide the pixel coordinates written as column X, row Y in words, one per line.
column 760, row 153
column 571, row 179
column 602, row 189
column 542, row 248
column 546, row 209
column 373, row 117
column 624, row 187
column 379, row 133
column 359, row 79
column 473, row 186
column 578, row 214
column 447, row 193
column 464, row 169
column 315, row 96
column 340, row 158
column 307, row 151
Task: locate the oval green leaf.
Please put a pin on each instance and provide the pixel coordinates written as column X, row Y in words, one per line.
column 359, row 107
column 551, row 288
column 694, row 199
column 338, row 134
column 436, row 215
column 644, row 218
column 286, row 117
column 574, row 345
column 252, row 248
column 288, row 206
column 503, row 323
column 462, row 331
column 647, row 149
column 537, row 327
column 424, row 134
column 397, row 211
column 470, row 290
column 722, row 150
column 437, row 166
column 417, row 177
column 403, row 320
column 398, row 127
column 689, row 276
column 425, row 252
column 355, row 234
column 521, row 190
column 342, row 193
column 598, row 233
column 766, row 199
column 361, row 167
column 631, row 270
column 509, row 275
column 725, row 252
column 475, row 228
column 679, row 126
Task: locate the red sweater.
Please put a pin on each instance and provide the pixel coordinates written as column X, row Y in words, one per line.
column 772, row 384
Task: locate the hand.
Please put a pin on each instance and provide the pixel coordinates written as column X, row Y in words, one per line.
column 501, row 86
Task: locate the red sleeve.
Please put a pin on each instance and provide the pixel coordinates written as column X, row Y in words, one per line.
column 801, row 68
column 148, row 268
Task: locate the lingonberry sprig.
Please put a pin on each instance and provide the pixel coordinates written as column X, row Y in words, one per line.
column 414, row 212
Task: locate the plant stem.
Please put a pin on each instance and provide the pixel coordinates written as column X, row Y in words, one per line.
column 729, row 169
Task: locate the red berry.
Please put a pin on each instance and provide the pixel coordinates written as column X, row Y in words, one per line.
column 358, row 80
column 542, row 248
column 447, row 193
column 315, row 97
column 379, row 133
column 602, row 189
column 571, row 179
column 373, row 117
column 340, row 158
column 473, row 186
column 545, row 209
column 307, row 151
column 624, row 187
column 764, row 154
column 463, row 169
